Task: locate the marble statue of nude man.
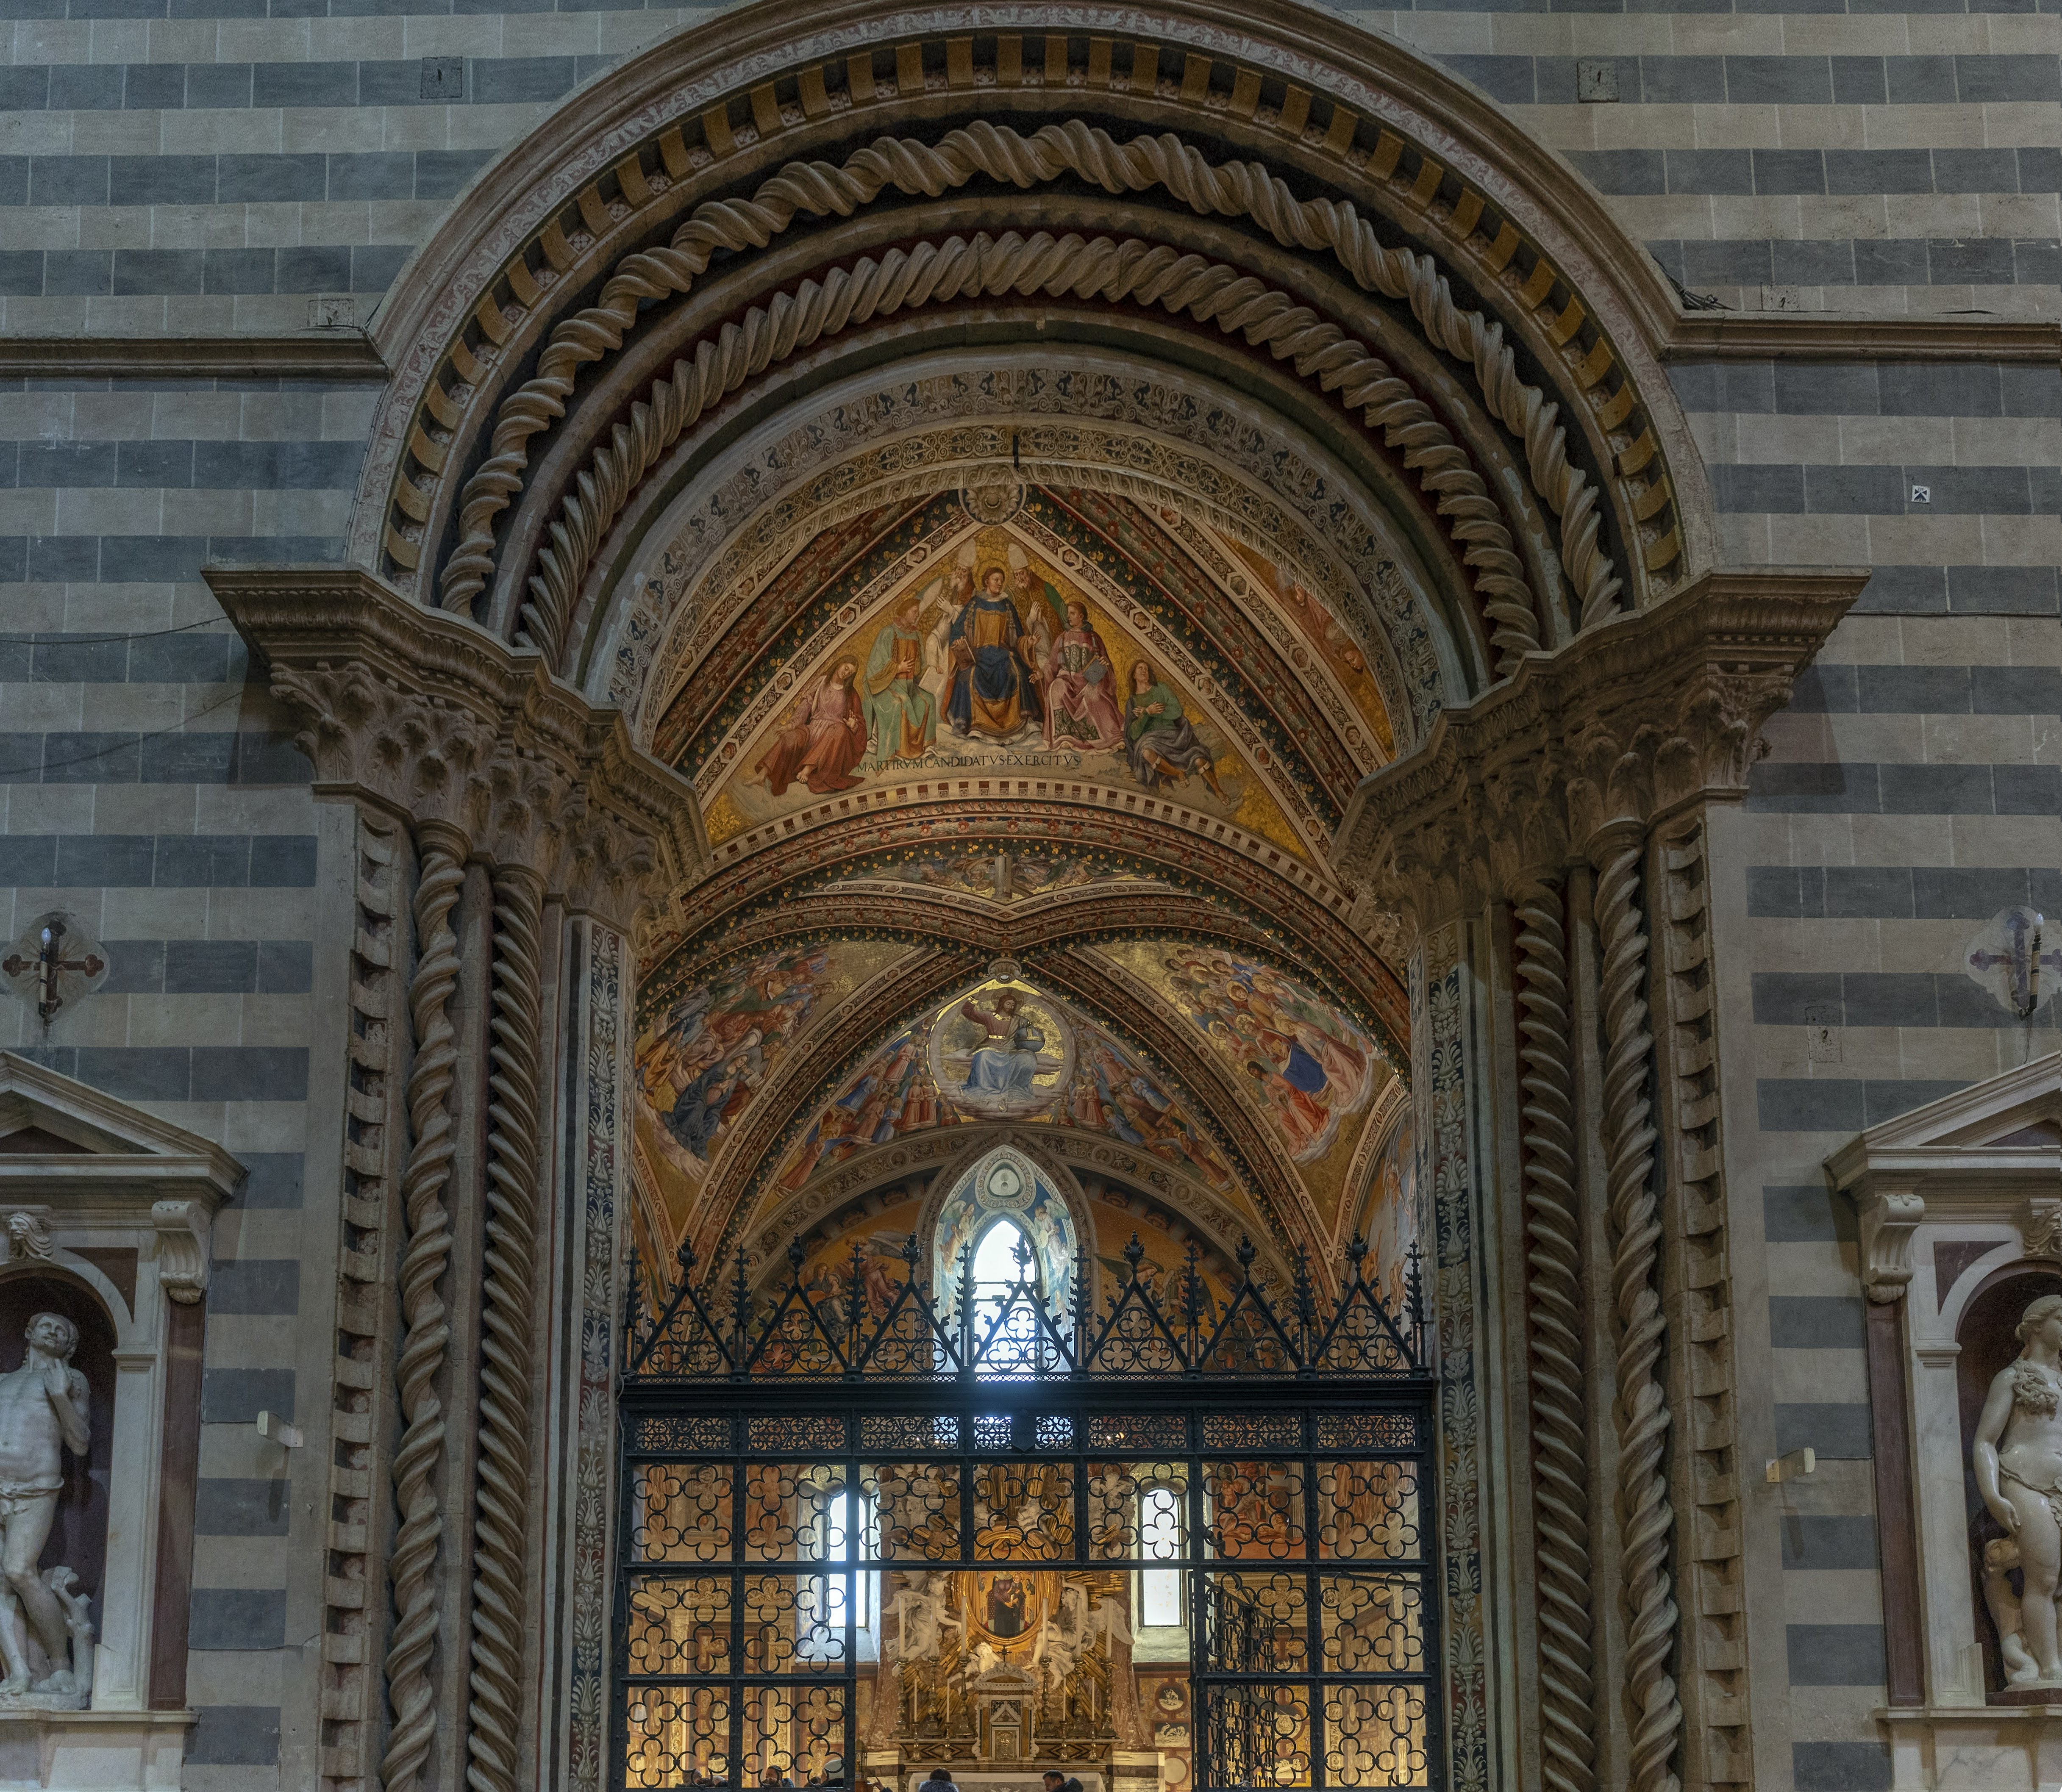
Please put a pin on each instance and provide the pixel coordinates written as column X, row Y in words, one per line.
column 42, row 1413
column 2017, row 1457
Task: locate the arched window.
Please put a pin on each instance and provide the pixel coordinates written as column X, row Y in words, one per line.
column 1005, row 1326
column 996, row 1267
column 1160, row 1540
column 1003, row 1205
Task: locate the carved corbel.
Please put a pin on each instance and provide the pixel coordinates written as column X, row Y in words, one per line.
column 183, row 1229
column 2040, row 1226
column 26, row 1235
column 1888, row 1218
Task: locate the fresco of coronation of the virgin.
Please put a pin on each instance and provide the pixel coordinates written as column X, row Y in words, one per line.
column 997, row 658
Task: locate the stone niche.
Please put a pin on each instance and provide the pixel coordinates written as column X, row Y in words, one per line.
column 105, row 1218
column 1959, row 1206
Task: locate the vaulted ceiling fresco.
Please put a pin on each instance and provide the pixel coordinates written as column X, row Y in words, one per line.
column 1020, row 797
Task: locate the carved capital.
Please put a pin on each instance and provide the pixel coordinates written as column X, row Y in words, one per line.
column 1888, row 1218
column 182, row 1227
column 430, row 717
column 1627, row 721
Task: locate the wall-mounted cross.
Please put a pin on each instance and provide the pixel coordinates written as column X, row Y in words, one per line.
column 2025, row 960
column 48, row 963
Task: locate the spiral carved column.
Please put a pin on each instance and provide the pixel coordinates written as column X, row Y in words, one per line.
column 500, row 1555
column 413, row 1569
column 1645, row 1515
column 1554, row 1261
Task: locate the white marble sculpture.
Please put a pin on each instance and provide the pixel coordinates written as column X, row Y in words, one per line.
column 2017, row 1458
column 46, row 1634
column 921, row 1618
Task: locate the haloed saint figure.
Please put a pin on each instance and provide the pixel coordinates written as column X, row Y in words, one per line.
column 991, row 692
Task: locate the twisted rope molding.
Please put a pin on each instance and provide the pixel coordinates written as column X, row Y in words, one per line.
column 1646, row 1518
column 412, row 1571
column 500, row 1555
column 1145, row 274
column 1553, row 1253
column 1071, row 148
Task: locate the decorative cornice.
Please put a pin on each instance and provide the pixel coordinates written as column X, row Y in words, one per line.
column 332, row 354
column 127, row 1156
column 1839, row 336
column 1690, row 336
column 1625, row 723
column 1936, row 1162
column 431, row 718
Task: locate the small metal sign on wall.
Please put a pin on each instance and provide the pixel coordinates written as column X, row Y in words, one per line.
column 857, row 1543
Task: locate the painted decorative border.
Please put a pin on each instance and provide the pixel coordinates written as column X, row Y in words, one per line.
column 603, row 1168
column 1439, row 1030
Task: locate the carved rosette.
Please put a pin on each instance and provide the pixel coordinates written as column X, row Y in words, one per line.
column 432, row 718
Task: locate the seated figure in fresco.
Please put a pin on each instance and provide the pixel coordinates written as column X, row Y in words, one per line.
column 825, row 737
column 2017, row 1458
column 1160, row 740
column 1080, row 689
column 901, row 715
column 1006, row 1061
column 991, row 692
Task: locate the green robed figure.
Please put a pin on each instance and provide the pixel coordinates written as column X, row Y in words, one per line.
column 901, row 715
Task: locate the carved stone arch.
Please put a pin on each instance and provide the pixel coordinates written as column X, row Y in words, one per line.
column 1452, row 484
column 1093, row 1158
column 68, row 1267
column 1442, row 171
column 870, row 1174
column 1282, row 487
column 1391, row 1113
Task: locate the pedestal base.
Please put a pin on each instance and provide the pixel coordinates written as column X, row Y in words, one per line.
column 92, row 1751
column 1978, row 1748
column 1026, row 1778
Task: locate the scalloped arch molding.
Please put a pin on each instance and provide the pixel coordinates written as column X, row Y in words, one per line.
column 741, row 184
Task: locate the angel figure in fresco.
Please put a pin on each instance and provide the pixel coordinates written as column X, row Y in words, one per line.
column 825, row 737
column 1039, row 605
column 901, row 715
column 1080, row 701
column 1160, row 740
column 991, row 692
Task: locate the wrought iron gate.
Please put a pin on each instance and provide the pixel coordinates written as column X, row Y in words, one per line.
column 787, row 1469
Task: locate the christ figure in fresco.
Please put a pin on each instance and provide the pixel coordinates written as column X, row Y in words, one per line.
column 991, row 692
column 1080, row 703
column 901, row 715
column 824, row 738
